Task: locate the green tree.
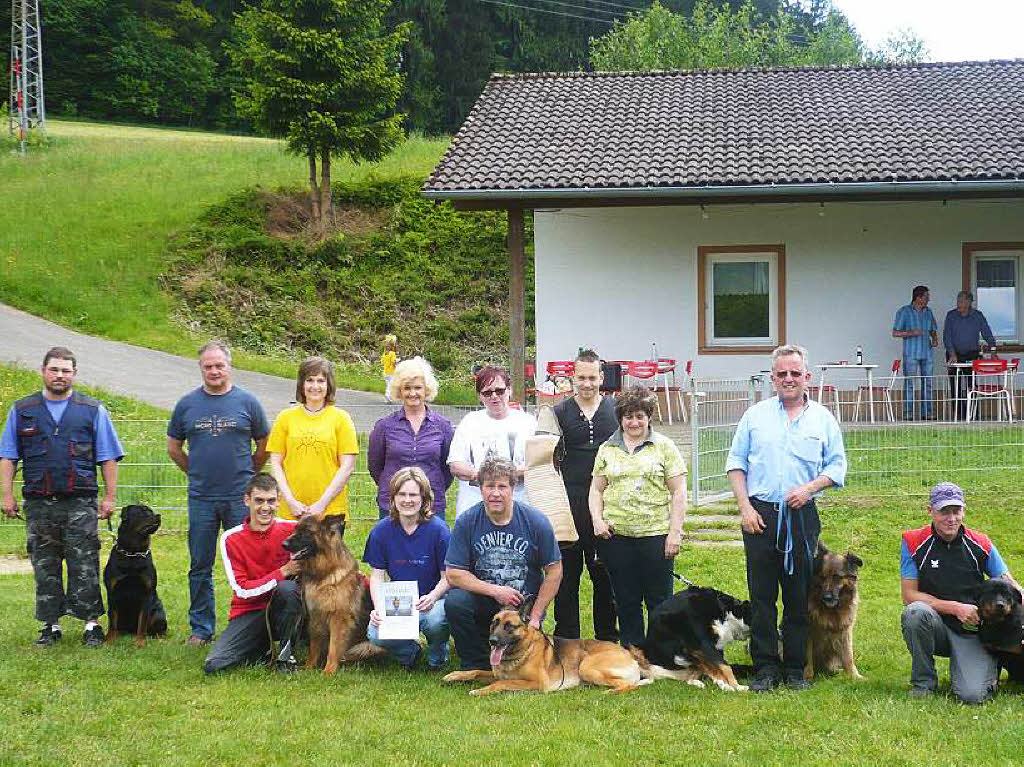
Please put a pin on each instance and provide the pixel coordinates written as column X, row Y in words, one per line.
column 718, row 36
column 323, row 75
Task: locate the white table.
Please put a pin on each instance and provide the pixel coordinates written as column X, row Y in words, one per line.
column 962, row 385
column 868, row 369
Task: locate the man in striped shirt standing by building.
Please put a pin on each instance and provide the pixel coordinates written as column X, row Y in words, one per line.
column 916, row 325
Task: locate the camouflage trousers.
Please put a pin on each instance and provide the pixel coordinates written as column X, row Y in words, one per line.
column 59, row 530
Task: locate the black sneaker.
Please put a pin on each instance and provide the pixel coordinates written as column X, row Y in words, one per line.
column 49, row 636
column 795, row 681
column 93, row 637
column 766, row 680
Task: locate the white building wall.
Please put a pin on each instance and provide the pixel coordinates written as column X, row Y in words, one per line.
column 616, row 279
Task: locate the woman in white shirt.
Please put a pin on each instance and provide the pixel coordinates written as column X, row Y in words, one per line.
column 498, row 431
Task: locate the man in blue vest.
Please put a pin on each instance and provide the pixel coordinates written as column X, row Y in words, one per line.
column 60, row 437
column 941, row 565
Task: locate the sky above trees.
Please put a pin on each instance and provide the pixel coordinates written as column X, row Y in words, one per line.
column 978, row 31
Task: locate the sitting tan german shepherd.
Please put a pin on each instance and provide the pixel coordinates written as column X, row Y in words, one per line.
column 337, row 596
column 523, row 658
column 832, row 612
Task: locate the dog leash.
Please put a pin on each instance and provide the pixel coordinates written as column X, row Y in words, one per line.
column 683, row 579
column 785, row 516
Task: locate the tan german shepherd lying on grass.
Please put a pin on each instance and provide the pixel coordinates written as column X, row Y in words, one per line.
column 337, row 596
column 523, row 658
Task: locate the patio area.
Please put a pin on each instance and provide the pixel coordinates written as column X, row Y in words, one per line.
column 892, row 456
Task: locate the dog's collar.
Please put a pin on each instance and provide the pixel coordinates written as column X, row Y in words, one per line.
column 124, row 553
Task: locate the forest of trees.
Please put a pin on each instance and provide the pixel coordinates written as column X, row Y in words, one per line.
column 168, row 61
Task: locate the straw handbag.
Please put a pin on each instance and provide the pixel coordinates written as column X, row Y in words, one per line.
column 545, row 488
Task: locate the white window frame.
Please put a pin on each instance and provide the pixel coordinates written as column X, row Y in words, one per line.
column 772, row 339
column 1002, row 255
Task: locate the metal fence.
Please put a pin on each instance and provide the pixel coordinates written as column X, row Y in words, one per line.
column 146, row 474
column 961, row 430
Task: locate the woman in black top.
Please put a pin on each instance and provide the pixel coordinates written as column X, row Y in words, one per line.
column 586, row 421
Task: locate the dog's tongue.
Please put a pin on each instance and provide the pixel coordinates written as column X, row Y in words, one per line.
column 496, row 653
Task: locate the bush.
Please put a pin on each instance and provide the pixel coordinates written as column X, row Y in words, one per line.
column 398, row 263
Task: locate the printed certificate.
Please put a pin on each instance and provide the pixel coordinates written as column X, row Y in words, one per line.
column 401, row 619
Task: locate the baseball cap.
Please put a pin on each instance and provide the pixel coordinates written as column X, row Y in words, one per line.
column 946, row 494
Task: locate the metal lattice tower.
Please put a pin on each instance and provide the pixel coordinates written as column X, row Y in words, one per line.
column 26, row 102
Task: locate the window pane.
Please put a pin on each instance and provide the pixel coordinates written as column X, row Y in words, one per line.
column 741, row 301
column 997, row 294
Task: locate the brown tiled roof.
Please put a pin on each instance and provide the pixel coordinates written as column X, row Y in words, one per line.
column 672, row 130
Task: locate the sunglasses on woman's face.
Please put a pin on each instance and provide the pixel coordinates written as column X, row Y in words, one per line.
column 783, row 374
column 493, row 393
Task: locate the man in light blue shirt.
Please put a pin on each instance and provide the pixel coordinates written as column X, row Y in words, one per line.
column 916, row 325
column 786, row 450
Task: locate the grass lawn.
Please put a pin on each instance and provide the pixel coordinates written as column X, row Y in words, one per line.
column 70, row 705
column 84, row 222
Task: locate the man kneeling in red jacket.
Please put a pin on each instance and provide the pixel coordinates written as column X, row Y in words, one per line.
column 258, row 568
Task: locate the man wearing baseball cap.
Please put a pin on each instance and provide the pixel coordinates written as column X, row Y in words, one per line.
column 941, row 565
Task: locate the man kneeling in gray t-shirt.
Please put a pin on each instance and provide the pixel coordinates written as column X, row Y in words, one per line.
column 501, row 552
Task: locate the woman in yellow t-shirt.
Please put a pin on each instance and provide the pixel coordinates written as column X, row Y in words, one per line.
column 313, row 447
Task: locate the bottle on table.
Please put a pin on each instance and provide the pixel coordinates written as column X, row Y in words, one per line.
column 860, row 356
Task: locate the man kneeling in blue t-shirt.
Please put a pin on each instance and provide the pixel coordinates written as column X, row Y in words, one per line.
column 501, row 553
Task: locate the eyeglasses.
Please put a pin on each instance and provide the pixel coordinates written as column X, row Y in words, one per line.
column 783, row 374
column 493, row 392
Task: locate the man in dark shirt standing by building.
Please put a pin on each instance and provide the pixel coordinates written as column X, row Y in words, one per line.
column 960, row 333
column 586, row 421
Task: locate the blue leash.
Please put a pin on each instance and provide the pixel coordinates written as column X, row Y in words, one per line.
column 788, row 560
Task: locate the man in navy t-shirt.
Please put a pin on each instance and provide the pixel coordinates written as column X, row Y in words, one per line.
column 502, row 553
column 220, row 422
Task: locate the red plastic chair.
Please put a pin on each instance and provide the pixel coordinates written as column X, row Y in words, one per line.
column 561, row 368
column 991, row 380
column 646, row 371
column 879, row 393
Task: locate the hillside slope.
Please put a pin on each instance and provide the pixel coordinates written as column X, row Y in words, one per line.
column 84, row 223
column 399, row 264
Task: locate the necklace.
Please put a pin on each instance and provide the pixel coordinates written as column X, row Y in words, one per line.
column 313, row 412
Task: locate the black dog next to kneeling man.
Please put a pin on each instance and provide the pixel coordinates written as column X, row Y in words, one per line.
column 1001, row 630
column 133, row 606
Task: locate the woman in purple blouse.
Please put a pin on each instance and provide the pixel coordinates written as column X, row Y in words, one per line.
column 414, row 435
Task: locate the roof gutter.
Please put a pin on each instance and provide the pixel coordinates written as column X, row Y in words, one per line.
column 707, row 193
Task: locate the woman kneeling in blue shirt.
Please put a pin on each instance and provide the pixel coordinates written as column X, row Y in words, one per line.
column 410, row 545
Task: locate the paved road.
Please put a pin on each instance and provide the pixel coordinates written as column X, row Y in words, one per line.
column 151, row 376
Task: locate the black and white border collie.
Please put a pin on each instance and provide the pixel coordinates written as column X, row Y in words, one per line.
column 687, row 635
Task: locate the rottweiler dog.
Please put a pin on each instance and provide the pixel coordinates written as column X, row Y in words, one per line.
column 1002, row 625
column 133, row 606
column 524, row 658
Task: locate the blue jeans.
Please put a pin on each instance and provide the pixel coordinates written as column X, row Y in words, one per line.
column 433, row 625
column 923, row 369
column 205, row 520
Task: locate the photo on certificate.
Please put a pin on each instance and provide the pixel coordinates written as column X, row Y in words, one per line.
column 401, row 619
